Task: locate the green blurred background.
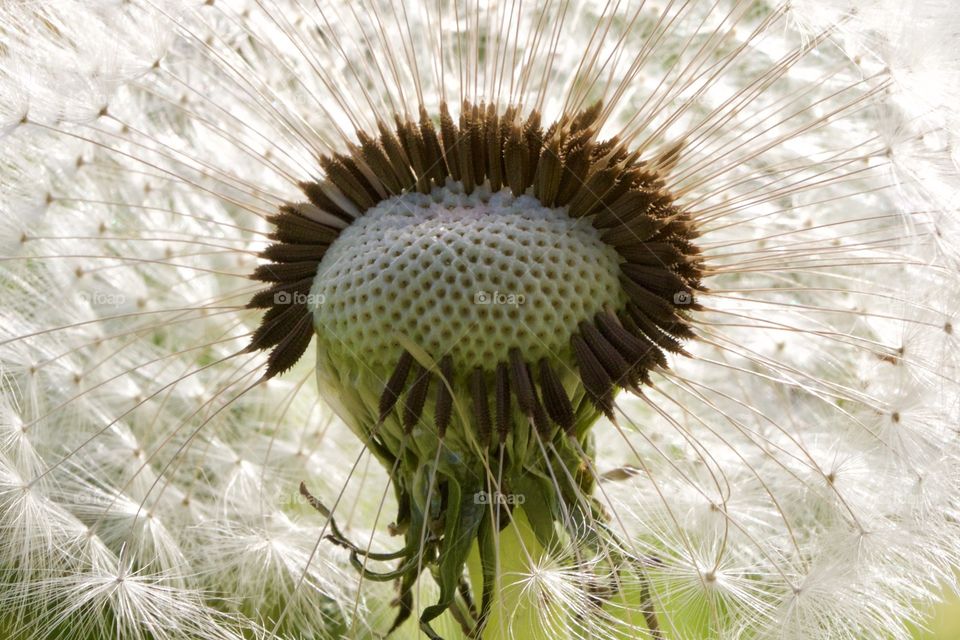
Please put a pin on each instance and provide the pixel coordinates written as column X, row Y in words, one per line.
column 944, row 622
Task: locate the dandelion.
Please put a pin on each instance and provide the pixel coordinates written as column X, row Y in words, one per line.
column 477, row 319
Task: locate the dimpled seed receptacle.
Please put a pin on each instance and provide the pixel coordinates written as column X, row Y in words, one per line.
column 471, row 276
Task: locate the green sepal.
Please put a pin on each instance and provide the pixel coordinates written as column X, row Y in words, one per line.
column 462, row 521
column 405, row 601
column 539, row 505
column 486, row 542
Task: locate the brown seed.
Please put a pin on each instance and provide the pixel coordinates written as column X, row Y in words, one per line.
column 652, row 331
column 555, row 397
column 277, row 323
column 397, row 156
column 658, row 254
column 656, row 354
column 549, row 170
column 522, row 385
column 412, row 141
column 596, row 380
column 320, row 199
column 651, row 304
column 285, row 272
column 657, row 280
column 290, row 349
column 478, row 143
column 416, row 398
column 294, row 227
column 613, row 362
column 514, row 160
column 525, row 391
column 449, row 134
column 376, row 158
column 395, row 385
column 502, row 401
column 269, row 297
column 533, row 143
column 290, row 252
column 591, row 196
column 636, row 352
column 342, row 173
column 481, row 408
column 436, row 166
column 444, row 407
column 494, row 153
column 573, row 177
column 464, row 150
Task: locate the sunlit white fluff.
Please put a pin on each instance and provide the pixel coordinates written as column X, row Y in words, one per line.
column 796, row 478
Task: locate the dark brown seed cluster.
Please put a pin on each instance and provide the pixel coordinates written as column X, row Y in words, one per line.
column 563, row 165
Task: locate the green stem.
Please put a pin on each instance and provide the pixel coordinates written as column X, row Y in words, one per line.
column 512, row 608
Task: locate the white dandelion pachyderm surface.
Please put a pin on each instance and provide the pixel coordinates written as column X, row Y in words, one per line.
column 475, row 319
